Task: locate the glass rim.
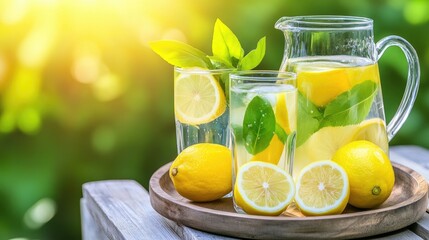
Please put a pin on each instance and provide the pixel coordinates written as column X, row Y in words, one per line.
column 324, row 22
column 258, row 75
column 199, row 70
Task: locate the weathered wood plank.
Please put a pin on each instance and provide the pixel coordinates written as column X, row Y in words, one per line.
column 401, row 235
column 421, row 227
column 414, row 157
column 122, row 210
column 90, row 229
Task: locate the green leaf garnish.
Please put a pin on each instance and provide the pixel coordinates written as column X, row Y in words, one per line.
column 180, row 54
column 350, row 107
column 281, row 133
column 225, row 44
column 254, row 57
column 259, row 125
column 308, row 119
column 226, row 48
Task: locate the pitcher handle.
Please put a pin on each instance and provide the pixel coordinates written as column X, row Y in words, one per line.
column 413, row 80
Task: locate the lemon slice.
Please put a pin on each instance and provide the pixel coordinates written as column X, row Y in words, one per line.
column 322, row 188
column 373, row 130
column 263, row 189
column 198, row 98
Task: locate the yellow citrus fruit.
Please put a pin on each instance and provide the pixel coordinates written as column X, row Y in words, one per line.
column 202, row 172
column 263, row 189
column 321, row 85
column 322, row 188
column 370, row 173
column 322, row 145
column 373, row 130
column 198, row 98
column 272, row 153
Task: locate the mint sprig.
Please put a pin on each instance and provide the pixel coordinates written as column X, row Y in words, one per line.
column 226, row 52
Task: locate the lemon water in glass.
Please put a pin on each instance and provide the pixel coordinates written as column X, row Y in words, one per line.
column 200, row 106
column 263, row 121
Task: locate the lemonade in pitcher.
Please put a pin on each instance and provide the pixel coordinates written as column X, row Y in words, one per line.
column 339, row 101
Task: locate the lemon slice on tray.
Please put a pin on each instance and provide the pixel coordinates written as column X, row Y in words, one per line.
column 322, row 188
column 198, row 98
column 263, row 189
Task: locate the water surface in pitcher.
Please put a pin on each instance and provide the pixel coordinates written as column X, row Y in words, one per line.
column 339, row 101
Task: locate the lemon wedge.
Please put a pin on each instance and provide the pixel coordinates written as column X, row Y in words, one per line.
column 322, row 188
column 263, row 189
column 322, row 84
column 322, row 145
column 198, row 98
column 373, row 130
column 272, row 153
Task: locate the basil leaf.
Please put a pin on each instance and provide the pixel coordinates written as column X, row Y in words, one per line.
column 307, row 120
column 180, row 54
column 350, row 107
column 254, row 57
column 259, row 125
column 225, row 44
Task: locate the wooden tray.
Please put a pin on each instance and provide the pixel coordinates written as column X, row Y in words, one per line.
column 406, row 205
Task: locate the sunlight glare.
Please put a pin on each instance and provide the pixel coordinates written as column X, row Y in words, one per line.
column 108, row 87
column 15, row 11
column 86, row 67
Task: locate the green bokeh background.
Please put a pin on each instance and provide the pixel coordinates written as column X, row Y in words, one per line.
column 83, row 98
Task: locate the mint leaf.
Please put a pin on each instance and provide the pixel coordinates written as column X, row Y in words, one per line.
column 259, row 125
column 254, row 57
column 350, row 107
column 308, row 119
column 180, row 54
column 225, row 44
column 281, row 133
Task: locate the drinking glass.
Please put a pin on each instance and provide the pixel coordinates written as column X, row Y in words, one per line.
column 200, row 106
column 263, row 120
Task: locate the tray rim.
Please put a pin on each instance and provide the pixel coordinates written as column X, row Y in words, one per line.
column 155, row 195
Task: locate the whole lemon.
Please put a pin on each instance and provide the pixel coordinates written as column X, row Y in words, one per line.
column 370, row 173
column 202, row 172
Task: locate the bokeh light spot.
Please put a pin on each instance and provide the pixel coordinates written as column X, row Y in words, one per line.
column 35, row 48
column 29, row 120
column 40, row 213
column 15, row 11
column 103, row 139
column 416, row 12
column 108, row 87
column 86, row 67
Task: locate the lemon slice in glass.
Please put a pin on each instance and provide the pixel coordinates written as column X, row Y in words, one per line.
column 322, row 188
column 373, row 130
column 263, row 189
column 198, row 98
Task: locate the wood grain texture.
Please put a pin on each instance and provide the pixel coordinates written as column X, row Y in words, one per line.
column 122, row 211
column 406, row 205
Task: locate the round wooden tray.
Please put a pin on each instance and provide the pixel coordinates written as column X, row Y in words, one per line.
column 406, row 205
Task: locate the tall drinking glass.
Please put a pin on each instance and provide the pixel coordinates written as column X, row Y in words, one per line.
column 200, row 106
column 263, row 121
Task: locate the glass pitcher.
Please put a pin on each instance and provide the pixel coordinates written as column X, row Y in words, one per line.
column 339, row 91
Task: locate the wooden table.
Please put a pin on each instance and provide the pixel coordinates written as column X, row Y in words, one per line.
column 120, row 209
